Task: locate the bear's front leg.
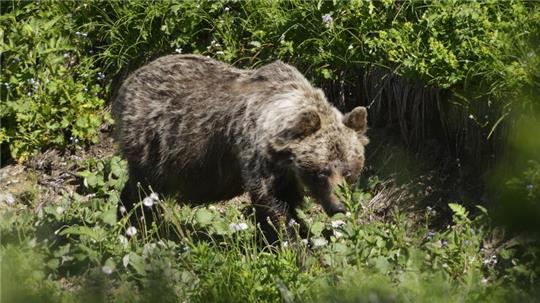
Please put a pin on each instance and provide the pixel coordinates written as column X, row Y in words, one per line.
column 275, row 216
column 274, row 219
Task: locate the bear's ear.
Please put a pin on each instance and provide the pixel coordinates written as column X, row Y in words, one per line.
column 305, row 123
column 356, row 119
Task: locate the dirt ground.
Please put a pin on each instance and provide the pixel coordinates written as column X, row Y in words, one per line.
column 48, row 176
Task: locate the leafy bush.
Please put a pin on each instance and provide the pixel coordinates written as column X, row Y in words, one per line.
column 52, row 93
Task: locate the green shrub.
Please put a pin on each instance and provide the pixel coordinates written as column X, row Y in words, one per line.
column 51, row 92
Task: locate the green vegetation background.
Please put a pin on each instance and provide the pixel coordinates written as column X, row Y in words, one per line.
column 61, row 61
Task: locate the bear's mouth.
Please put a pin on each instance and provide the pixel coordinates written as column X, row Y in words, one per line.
column 321, row 188
column 333, row 206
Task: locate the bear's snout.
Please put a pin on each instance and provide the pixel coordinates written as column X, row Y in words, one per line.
column 332, row 204
column 334, row 207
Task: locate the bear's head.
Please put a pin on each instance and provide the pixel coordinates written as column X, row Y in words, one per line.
column 323, row 149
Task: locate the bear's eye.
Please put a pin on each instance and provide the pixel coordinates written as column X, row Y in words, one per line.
column 325, row 172
column 347, row 173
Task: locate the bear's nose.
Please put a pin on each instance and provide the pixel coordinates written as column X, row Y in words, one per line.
column 336, row 208
column 340, row 209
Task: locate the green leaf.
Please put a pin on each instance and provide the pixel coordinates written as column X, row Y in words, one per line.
column 317, row 228
column 96, row 234
column 137, row 263
column 458, row 209
column 109, row 216
column 381, row 264
column 204, row 217
column 53, row 263
column 327, row 74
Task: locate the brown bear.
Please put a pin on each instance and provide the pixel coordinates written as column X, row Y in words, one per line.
column 201, row 130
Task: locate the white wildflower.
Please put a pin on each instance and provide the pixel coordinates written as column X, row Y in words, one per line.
column 292, row 223
column 337, row 223
column 107, row 270
column 227, row 9
column 148, row 202
column 151, row 200
column 123, row 209
column 178, row 50
column 318, row 242
column 131, row 231
column 220, row 53
column 123, row 240
column 350, row 47
column 234, row 227
column 154, row 197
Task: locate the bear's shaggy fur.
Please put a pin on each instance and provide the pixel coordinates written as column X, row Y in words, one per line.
column 201, row 130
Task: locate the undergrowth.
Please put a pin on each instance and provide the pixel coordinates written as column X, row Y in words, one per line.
column 76, row 251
